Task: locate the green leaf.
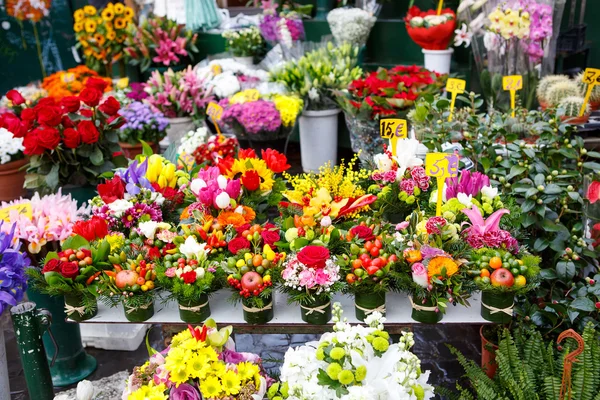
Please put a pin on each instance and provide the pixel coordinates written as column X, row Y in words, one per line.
column 565, row 269
column 548, row 274
column 146, row 149
column 171, row 153
column 52, row 177
column 527, row 206
column 151, row 351
column 539, row 179
column 515, row 170
column 531, row 192
column 540, row 244
column 592, row 165
column 583, row 304
column 96, row 156
column 75, row 243
column 553, row 189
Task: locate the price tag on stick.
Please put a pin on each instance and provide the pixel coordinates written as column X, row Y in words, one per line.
column 215, row 111
column 22, row 209
column 441, row 166
column 456, row 87
column 393, row 129
column 512, row 83
column 591, row 77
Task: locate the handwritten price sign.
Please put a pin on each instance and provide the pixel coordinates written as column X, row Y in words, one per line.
column 251, row 94
column 393, row 129
column 22, row 209
column 591, row 77
column 215, row 111
column 456, row 87
column 512, row 83
column 441, row 166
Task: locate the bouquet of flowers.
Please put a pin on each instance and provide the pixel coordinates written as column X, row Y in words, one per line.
column 11, row 147
column 29, row 94
column 207, row 352
column 433, row 269
column 101, row 34
column 246, row 42
column 429, row 29
column 13, row 263
column 69, row 142
column 226, row 77
column 351, row 25
column 178, row 94
column 284, row 27
column 71, row 82
column 318, row 72
column 159, row 41
column 197, row 147
column 310, row 277
column 142, row 124
column 353, row 362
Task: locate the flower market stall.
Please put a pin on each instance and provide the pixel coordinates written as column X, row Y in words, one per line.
column 161, row 182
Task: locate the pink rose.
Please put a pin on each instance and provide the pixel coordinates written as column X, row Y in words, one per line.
column 419, row 274
column 170, row 272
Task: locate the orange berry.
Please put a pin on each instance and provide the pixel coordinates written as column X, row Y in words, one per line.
column 495, row 262
column 484, row 273
column 80, row 255
column 257, row 260
column 140, row 281
column 88, row 260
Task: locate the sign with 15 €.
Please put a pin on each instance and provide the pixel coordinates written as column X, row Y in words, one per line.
column 393, row 127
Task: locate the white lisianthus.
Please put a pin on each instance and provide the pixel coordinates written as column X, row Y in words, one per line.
column 464, row 199
column 326, row 221
column 200, row 272
column 118, row 207
column 489, row 192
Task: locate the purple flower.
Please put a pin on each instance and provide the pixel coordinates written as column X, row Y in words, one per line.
column 13, row 263
column 254, row 117
column 467, row 183
column 135, row 177
column 137, row 92
column 140, row 116
column 185, row 392
column 429, row 252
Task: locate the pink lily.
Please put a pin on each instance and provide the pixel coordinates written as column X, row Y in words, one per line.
column 480, row 226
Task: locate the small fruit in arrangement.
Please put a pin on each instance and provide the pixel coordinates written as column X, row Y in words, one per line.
column 250, row 272
column 501, row 269
column 371, row 261
column 130, row 277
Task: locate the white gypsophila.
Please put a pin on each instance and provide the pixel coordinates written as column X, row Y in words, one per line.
column 119, row 206
column 9, row 146
column 351, row 25
column 192, row 140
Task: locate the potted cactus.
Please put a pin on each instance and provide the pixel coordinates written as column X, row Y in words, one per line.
column 571, row 106
column 560, row 90
column 544, row 85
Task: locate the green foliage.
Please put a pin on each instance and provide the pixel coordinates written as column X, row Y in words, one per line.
column 246, row 42
column 184, row 292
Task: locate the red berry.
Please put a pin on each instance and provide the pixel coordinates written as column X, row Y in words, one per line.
column 368, row 245
column 378, row 244
column 598, row 304
column 374, row 251
column 181, row 260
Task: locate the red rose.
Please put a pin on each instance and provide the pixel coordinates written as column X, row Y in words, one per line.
column 96, row 83
column 276, row 161
column 238, row 244
column 28, row 114
column 13, row 124
column 50, row 116
column 52, row 266
column 90, row 96
column 69, row 269
column 86, row 112
column 48, row 137
column 15, row 97
column 251, row 180
column 120, row 122
column 269, row 236
column 110, row 106
column 66, row 122
column 189, row 277
column 32, row 144
column 89, row 133
column 246, row 153
column 92, row 229
column 71, row 138
column 45, row 102
column 153, row 253
column 313, row 256
column 242, row 228
column 363, row 232
column 111, row 190
column 70, row 104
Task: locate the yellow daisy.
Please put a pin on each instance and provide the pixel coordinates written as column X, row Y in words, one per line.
column 119, row 8
column 90, row 26
column 211, row 387
column 78, row 27
column 100, row 39
column 89, row 10
column 108, row 14
column 231, row 383
column 111, row 35
column 78, row 15
column 88, row 52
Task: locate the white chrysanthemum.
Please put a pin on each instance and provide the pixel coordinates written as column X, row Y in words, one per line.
column 118, row 207
column 9, row 146
column 192, row 140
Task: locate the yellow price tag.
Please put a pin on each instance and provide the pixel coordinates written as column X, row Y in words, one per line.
column 591, row 77
column 22, row 209
column 441, row 166
column 251, row 94
column 456, row 87
column 512, row 83
column 215, row 111
column 393, row 129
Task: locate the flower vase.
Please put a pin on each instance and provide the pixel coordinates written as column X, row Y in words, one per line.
column 258, row 316
column 318, row 138
column 132, row 150
column 12, row 178
column 488, row 354
column 247, row 61
column 366, row 304
column 317, row 311
column 497, row 306
column 364, row 137
column 178, row 128
column 139, row 313
column 426, row 312
column 438, row 60
column 76, row 311
column 194, row 312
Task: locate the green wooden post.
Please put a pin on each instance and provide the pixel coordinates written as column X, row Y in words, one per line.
column 30, row 324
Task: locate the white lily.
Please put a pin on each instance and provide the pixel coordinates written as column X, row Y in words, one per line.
column 383, row 162
column 489, row 192
column 406, row 155
column 191, row 248
column 462, row 36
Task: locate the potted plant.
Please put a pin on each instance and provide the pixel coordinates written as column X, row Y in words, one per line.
column 179, row 96
column 142, row 125
column 544, row 85
column 313, row 77
column 12, row 160
column 245, row 44
column 385, row 93
column 569, row 110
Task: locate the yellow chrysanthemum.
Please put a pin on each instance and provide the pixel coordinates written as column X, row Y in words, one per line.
column 150, row 392
column 198, row 367
column 289, row 107
column 239, row 167
column 120, row 23
column 89, row 10
column 78, row 15
column 180, row 337
column 437, row 264
column 178, row 375
column 78, row 27
column 246, row 371
column 88, row 52
column 129, row 13
column 230, row 382
column 211, row 387
column 100, row 39
column 90, row 26
column 115, row 240
column 119, row 8
column 108, row 14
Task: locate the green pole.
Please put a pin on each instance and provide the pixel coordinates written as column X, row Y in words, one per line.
column 30, row 324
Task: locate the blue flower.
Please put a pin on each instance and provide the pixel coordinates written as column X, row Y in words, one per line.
column 13, row 263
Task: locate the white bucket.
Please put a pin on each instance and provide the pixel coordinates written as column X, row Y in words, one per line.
column 178, row 127
column 318, row 138
column 438, row 60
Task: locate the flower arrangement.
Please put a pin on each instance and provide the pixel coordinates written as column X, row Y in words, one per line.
column 351, row 25
column 71, row 141
column 159, row 41
column 101, row 33
column 71, row 82
column 11, row 148
column 430, row 29
column 29, row 94
column 318, row 72
column 177, row 94
column 200, row 148
column 246, row 42
column 310, row 278
column 226, row 77
column 142, row 124
column 13, row 263
column 353, row 362
column 284, row 27
column 200, row 363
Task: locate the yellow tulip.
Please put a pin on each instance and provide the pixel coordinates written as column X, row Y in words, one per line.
column 169, row 171
column 162, row 182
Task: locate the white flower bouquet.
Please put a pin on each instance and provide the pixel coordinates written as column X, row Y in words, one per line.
column 11, row 148
column 351, row 25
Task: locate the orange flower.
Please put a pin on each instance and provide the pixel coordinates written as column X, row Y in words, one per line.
column 437, row 264
column 307, row 220
column 24, row 10
column 70, row 82
column 249, row 214
column 231, row 218
column 185, row 214
column 413, row 256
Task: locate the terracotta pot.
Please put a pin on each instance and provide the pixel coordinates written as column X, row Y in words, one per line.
column 12, row 178
column 575, row 120
column 132, row 150
column 595, row 105
column 488, row 355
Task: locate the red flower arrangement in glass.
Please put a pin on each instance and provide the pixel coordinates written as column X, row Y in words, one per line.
column 69, row 142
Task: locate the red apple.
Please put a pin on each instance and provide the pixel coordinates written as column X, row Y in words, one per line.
column 126, row 277
column 502, row 277
column 251, row 281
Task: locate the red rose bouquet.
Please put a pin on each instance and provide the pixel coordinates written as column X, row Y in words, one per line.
column 430, row 30
column 69, row 142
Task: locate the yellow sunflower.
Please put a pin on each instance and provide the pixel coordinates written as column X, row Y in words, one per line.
column 90, row 26
column 78, row 15
column 78, row 26
column 120, row 23
column 129, row 13
column 111, row 35
column 108, row 26
column 108, row 14
column 121, row 38
column 100, row 39
column 89, row 10
column 119, row 8
column 239, row 167
column 437, row 264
